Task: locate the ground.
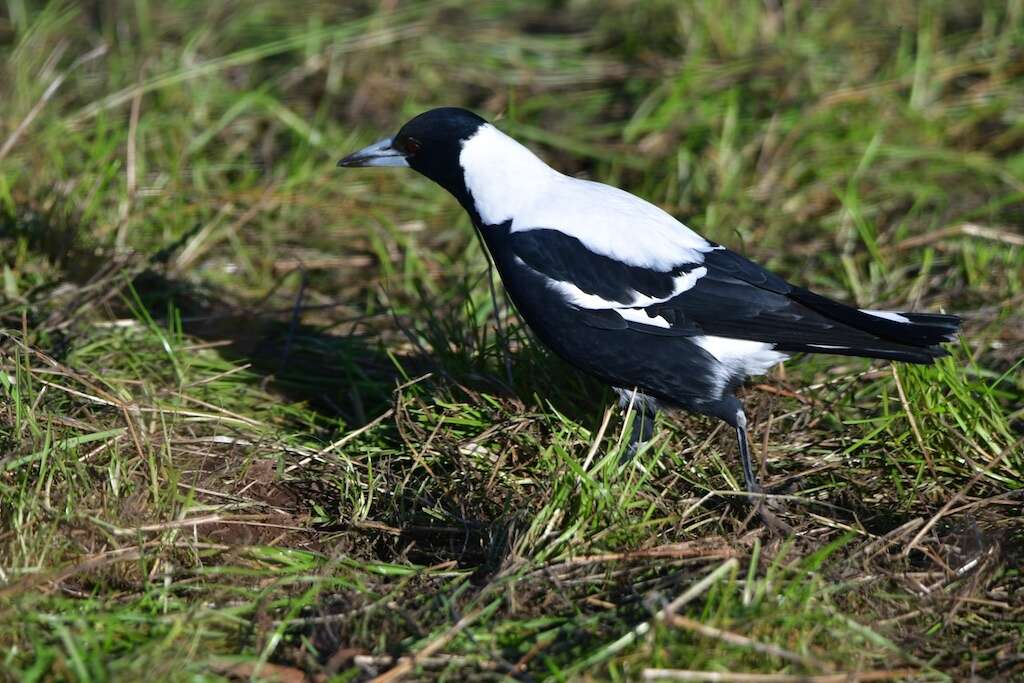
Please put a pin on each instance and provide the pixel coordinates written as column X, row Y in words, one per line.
column 257, row 422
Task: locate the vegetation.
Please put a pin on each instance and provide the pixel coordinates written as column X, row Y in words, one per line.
column 256, row 420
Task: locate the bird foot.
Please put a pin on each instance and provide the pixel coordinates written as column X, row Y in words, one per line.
column 764, row 509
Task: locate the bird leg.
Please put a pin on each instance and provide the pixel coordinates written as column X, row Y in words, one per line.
column 644, row 409
column 641, row 433
column 749, row 478
column 754, row 487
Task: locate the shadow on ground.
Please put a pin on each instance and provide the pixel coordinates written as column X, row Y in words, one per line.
column 438, row 514
column 344, row 371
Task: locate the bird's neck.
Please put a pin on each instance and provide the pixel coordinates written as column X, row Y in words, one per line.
column 500, row 176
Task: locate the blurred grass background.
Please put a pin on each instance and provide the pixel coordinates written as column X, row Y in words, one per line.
column 255, row 421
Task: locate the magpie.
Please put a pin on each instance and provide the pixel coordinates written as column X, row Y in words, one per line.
column 623, row 291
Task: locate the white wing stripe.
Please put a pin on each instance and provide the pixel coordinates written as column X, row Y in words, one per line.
column 639, row 315
column 578, row 297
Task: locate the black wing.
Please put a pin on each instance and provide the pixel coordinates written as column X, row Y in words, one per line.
column 741, row 300
column 734, row 297
column 565, row 258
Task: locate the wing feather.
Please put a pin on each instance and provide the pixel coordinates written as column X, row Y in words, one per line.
column 724, row 295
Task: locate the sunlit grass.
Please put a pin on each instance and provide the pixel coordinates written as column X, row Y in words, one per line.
column 256, row 420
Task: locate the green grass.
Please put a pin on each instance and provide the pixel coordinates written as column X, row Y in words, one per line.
column 256, row 420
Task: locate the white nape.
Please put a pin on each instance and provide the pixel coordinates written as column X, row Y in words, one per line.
column 888, row 315
column 502, row 175
column 509, row 182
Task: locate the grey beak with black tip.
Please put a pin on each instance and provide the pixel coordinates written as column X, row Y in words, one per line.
column 380, row 153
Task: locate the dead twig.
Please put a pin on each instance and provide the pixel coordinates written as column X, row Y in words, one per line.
column 913, row 422
column 736, row 677
column 958, row 495
column 47, row 95
column 1004, row 235
column 407, row 664
column 742, row 641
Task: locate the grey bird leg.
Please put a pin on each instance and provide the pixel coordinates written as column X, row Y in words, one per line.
column 641, row 433
column 753, row 486
column 644, row 409
column 749, row 477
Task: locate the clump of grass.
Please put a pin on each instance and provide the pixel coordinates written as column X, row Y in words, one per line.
column 256, row 420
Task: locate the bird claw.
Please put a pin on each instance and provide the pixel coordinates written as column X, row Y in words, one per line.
column 763, row 508
column 631, row 450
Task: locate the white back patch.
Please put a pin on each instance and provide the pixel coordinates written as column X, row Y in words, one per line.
column 508, row 181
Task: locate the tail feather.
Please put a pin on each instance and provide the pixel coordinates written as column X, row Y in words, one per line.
column 909, row 337
column 942, row 323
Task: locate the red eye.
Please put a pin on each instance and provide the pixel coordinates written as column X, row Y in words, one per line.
column 411, row 145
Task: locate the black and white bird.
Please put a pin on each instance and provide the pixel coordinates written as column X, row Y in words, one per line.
column 625, row 292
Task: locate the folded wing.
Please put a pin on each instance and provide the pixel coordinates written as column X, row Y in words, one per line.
column 720, row 294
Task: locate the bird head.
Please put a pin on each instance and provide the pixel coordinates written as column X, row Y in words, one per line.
column 429, row 143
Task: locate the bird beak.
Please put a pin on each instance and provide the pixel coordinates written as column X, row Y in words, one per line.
column 380, row 153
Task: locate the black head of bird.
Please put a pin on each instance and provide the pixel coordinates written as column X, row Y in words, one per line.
column 430, row 144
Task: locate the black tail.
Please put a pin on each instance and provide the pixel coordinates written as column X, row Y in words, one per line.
column 909, row 337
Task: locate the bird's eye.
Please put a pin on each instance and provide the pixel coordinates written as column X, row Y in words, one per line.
column 411, row 145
